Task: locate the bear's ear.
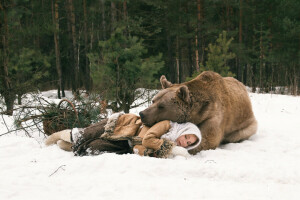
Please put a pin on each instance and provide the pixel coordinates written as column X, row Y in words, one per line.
column 164, row 82
column 184, row 94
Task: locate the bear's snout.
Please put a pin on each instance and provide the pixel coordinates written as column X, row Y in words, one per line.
column 145, row 119
column 142, row 115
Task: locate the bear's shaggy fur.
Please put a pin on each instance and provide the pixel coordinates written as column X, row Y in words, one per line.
column 219, row 106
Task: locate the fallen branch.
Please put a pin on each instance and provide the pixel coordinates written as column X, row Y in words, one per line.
column 60, row 167
column 4, row 123
column 21, row 128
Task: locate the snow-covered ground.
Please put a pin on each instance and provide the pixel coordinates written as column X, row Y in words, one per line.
column 264, row 167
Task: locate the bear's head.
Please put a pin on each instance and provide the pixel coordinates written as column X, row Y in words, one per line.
column 171, row 103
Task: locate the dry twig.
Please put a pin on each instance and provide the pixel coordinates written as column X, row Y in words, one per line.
column 60, row 167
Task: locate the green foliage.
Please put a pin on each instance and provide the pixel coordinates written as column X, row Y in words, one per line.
column 266, row 43
column 28, row 68
column 218, row 57
column 122, row 68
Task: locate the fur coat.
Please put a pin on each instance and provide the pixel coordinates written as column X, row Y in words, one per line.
column 122, row 133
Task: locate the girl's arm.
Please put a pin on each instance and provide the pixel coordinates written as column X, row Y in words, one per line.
column 152, row 139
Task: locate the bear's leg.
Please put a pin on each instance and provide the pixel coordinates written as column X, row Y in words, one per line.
column 212, row 135
column 242, row 134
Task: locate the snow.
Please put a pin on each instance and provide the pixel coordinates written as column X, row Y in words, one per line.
column 264, row 167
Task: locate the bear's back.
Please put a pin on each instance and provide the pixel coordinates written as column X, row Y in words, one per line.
column 230, row 95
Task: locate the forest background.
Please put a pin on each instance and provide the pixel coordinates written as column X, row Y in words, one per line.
column 113, row 47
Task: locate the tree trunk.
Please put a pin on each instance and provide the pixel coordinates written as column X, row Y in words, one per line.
column 295, row 80
column 125, row 10
column 74, row 57
column 87, row 78
column 239, row 70
column 249, row 75
column 102, row 4
column 197, row 55
column 125, row 17
column 8, row 93
column 19, row 99
column 55, row 19
column 113, row 15
column 261, row 57
column 254, row 82
column 199, row 52
column 91, row 36
column 170, row 61
column 190, row 56
column 177, row 60
column 118, row 85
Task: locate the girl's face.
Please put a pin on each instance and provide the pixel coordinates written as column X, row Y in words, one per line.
column 186, row 140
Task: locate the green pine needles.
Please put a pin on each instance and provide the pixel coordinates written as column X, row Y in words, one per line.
column 121, row 68
column 217, row 57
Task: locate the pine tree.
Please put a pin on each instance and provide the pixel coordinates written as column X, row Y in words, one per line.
column 29, row 67
column 122, row 68
column 219, row 55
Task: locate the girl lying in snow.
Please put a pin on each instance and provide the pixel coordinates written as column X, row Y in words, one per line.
column 125, row 133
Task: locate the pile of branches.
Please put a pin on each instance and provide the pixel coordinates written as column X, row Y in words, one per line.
column 48, row 117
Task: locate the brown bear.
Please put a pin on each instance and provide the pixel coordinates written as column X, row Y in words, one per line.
column 219, row 106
